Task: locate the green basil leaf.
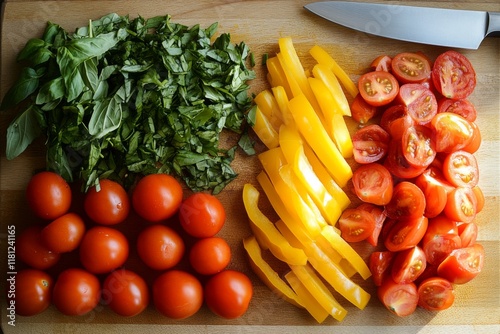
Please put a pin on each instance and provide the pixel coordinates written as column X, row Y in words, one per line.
column 25, row 86
column 106, row 117
column 22, row 131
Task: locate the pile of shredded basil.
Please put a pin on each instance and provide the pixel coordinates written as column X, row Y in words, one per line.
column 126, row 97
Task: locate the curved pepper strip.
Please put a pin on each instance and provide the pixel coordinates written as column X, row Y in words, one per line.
column 269, row 107
column 323, row 73
column 278, row 77
column 264, row 130
column 273, row 239
column 281, row 98
column 267, row 274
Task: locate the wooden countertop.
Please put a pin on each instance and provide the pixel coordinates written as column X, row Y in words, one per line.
column 260, row 24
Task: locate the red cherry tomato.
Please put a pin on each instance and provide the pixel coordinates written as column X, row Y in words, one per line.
column 157, row 197
column 63, row 234
column 479, row 198
column 440, row 239
column 125, row 292
column 463, row 264
column 462, row 107
column 408, row 265
column 381, row 63
column 378, row 88
column 452, row 132
column 76, row 292
column 435, row 294
column 228, row 294
column 405, row 233
column 410, row 67
column 419, row 148
column 395, row 120
column 476, row 140
column 31, row 250
column 202, row 215
column 407, row 201
column 103, row 249
column 461, row 205
column 397, row 164
column 361, row 111
column 356, row 224
column 48, row 195
column 107, row 204
column 208, row 256
column 373, row 184
column 400, row 299
column 379, row 264
column 468, row 233
column 435, row 189
column 33, row 291
column 379, row 217
column 370, row 144
column 460, row 169
column 160, row 247
column 420, row 102
column 177, row 294
column 453, row 75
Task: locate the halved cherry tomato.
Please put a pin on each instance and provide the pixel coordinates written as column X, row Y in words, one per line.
column 395, row 120
column 468, row 233
column 460, row 169
column 407, row 201
column 405, row 234
column 462, row 107
column 435, row 294
column 479, row 198
column 440, row 239
column 373, row 183
column 400, row 299
column 356, row 224
column 453, row 75
column 361, row 111
column 461, row 205
column 370, row 144
column 419, row 148
column 452, row 131
column 435, row 189
column 379, row 216
column 378, row 88
column 379, row 264
column 420, row 102
column 408, row 265
column 475, row 141
column 411, row 67
column 463, row 264
column 381, row 63
column 397, row 164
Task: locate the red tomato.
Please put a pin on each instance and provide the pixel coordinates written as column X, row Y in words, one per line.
column 379, row 217
column 405, row 234
column 209, row 256
column 378, row 88
column 177, row 294
column 397, row 164
column 125, row 292
column 63, row 234
column 411, row 67
column 107, row 204
column 373, row 183
column 407, row 201
column 228, row 294
column 400, row 299
column 476, row 140
column 76, row 292
column 452, row 132
column 202, row 215
column 379, row 264
column 440, row 239
column 157, row 197
column 467, row 233
column 361, row 111
column 461, row 205
column 420, row 102
column 33, row 290
column 381, row 63
column 31, row 250
column 395, row 120
column 435, row 189
column 160, row 247
column 103, row 249
column 479, row 198
column 462, row 107
column 48, row 195
column 408, row 265
column 463, row 264
column 435, row 294
column 370, row 144
column 419, row 148
column 453, row 75
column 460, row 169
column 356, row 224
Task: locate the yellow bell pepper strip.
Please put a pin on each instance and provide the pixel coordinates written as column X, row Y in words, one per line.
column 310, row 127
column 278, row 77
column 334, row 122
column 310, row 303
column 322, row 57
column 291, row 81
column 267, row 274
column 282, row 99
column 323, row 73
column 274, row 240
column 264, row 130
column 346, row 251
column 269, row 107
column 319, row 290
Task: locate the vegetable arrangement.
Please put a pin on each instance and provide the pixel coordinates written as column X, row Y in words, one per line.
column 123, row 97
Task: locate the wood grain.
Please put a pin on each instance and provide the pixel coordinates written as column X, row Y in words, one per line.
column 260, row 24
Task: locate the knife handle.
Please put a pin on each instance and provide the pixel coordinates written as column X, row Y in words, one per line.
column 493, row 24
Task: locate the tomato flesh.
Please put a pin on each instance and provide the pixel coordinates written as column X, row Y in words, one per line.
column 408, row 265
column 370, row 144
column 356, row 224
column 400, row 299
column 420, row 102
column 411, row 67
column 373, row 184
column 407, row 201
column 378, row 88
column 460, row 169
column 435, row 294
column 418, row 146
column 463, row 264
column 453, row 75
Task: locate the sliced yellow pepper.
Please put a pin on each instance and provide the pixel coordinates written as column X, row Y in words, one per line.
column 282, row 99
column 323, row 73
column 291, row 81
column 267, row 274
column 269, row 107
column 319, row 290
column 310, row 303
column 310, row 127
column 322, row 57
column 278, row 77
column 264, row 130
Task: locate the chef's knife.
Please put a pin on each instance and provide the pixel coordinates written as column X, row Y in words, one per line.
column 436, row 26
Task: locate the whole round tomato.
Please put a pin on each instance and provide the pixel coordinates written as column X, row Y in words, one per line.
column 125, row 292
column 64, row 234
column 33, row 291
column 378, row 88
column 157, row 197
column 103, row 249
column 107, row 204
column 177, row 294
column 160, row 247
column 31, row 250
column 373, row 183
column 435, row 294
column 209, row 256
column 463, row 264
column 48, row 195
column 409, row 67
column 76, row 292
column 202, row 215
column 453, row 75
column 399, row 298
column 228, row 294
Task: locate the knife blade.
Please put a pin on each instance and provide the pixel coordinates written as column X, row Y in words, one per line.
column 435, row 26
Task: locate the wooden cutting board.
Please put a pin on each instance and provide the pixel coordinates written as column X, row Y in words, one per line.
column 260, row 24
